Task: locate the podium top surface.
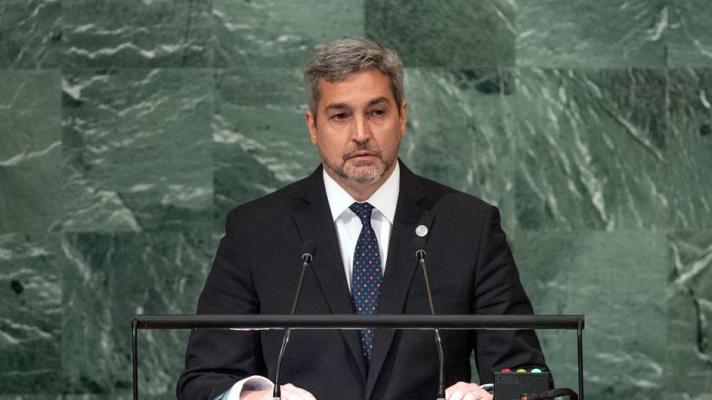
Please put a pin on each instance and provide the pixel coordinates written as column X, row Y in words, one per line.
column 351, row 321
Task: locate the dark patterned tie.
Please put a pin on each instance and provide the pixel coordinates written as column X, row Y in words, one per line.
column 366, row 276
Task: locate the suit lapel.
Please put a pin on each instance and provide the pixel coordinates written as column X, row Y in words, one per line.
column 314, row 221
column 411, row 211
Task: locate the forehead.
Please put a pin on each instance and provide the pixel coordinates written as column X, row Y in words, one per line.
column 357, row 89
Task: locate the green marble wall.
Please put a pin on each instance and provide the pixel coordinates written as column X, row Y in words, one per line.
column 128, row 128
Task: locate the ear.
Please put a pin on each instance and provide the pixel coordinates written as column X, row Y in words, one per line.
column 311, row 125
column 403, row 117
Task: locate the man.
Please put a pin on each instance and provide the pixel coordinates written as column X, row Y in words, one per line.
column 361, row 207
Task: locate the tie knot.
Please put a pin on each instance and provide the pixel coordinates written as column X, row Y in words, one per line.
column 363, row 211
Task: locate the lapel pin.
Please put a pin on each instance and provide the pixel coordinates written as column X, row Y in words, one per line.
column 421, row 230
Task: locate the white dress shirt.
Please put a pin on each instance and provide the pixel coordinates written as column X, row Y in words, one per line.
column 348, row 227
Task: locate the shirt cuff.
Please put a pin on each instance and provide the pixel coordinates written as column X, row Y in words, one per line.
column 254, row 382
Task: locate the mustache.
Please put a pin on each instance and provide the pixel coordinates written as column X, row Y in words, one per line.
column 361, row 149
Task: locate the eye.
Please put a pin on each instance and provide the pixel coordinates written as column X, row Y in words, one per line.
column 340, row 116
column 377, row 113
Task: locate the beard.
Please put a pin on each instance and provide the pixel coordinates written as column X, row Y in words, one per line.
column 361, row 172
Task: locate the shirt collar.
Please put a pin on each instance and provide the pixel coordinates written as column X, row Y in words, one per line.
column 384, row 199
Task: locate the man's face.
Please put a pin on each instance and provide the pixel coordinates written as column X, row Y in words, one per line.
column 358, row 128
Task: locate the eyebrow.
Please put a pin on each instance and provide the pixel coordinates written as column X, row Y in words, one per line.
column 377, row 100
column 344, row 106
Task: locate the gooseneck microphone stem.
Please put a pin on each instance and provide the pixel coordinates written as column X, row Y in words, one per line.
column 420, row 253
column 421, row 262
column 277, row 392
column 307, row 258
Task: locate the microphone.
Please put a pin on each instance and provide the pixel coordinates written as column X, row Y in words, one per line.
column 308, row 251
column 420, row 253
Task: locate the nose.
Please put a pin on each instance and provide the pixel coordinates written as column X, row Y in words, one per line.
column 361, row 131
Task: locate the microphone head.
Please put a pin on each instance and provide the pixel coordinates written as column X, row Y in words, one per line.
column 308, row 249
column 419, row 246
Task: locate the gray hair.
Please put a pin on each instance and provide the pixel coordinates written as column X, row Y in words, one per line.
column 341, row 58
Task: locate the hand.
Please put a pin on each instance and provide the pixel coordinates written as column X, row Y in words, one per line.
column 289, row 392
column 466, row 391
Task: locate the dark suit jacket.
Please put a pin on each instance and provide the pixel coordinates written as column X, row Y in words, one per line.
column 256, row 270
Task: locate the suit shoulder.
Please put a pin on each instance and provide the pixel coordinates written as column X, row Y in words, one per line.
column 447, row 197
column 273, row 204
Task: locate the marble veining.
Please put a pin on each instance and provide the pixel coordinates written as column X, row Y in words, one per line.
column 128, row 128
column 585, row 34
